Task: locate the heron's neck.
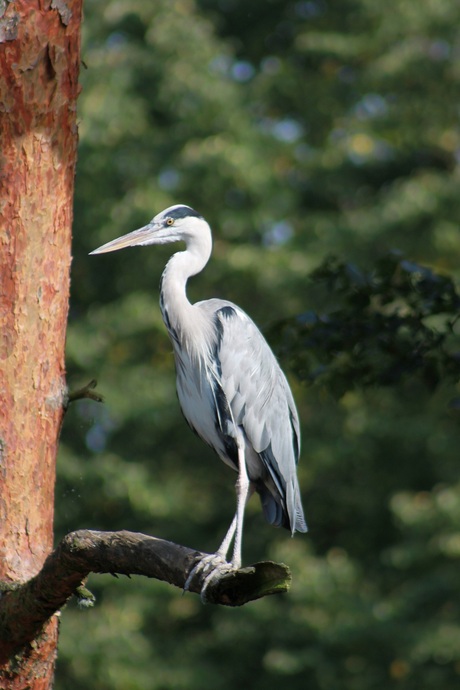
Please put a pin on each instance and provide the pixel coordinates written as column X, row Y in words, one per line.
column 180, row 316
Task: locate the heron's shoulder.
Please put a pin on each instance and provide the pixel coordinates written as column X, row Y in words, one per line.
column 221, row 308
column 225, row 316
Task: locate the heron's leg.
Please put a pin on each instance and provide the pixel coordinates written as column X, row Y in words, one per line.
column 242, row 494
column 216, row 564
column 222, row 551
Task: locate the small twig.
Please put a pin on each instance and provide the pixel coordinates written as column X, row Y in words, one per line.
column 86, row 392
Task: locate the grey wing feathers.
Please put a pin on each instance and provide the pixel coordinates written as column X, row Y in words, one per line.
column 262, row 405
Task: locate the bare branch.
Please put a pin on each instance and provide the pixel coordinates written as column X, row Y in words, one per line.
column 25, row 608
column 85, row 392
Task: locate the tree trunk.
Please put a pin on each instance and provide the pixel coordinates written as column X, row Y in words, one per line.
column 39, row 64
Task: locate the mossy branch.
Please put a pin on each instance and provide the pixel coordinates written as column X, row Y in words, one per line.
column 25, row 608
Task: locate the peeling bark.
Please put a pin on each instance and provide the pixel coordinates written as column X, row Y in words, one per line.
column 39, row 63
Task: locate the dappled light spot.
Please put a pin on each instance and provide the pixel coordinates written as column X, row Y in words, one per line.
column 242, row 71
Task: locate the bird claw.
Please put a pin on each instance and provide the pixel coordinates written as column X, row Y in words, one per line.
column 211, row 568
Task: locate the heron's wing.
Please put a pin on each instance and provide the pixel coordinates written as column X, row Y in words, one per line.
column 261, row 403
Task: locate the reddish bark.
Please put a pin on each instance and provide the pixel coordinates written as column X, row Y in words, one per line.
column 39, row 64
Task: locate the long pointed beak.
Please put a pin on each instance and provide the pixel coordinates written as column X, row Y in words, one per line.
column 138, row 237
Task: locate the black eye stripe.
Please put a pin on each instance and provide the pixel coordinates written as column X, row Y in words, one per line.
column 183, row 212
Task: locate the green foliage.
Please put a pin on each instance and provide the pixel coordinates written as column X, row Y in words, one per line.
column 300, row 130
column 396, row 321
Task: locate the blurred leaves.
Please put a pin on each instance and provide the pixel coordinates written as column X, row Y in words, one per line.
column 395, row 321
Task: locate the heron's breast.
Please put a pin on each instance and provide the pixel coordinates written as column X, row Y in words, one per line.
column 200, row 405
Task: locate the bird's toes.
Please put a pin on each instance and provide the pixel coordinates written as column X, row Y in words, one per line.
column 210, row 568
column 202, row 565
column 221, row 568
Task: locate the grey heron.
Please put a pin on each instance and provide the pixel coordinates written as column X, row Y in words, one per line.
column 230, row 386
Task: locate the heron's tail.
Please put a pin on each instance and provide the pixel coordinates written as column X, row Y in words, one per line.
column 282, row 512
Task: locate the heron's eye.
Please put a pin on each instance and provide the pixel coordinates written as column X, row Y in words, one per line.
column 169, row 221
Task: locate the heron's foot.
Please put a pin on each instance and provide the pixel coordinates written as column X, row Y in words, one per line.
column 210, row 568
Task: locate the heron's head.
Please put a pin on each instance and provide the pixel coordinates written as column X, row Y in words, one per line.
column 174, row 224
